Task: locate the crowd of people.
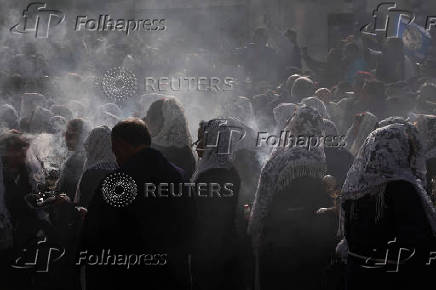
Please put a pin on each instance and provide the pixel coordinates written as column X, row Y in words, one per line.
column 355, row 213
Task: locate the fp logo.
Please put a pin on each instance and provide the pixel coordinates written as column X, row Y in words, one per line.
column 37, row 19
column 393, row 258
column 38, row 257
column 387, row 18
column 223, row 140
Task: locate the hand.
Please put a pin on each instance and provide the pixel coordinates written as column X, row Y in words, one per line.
column 82, row 211
column 322, row 210
column 247, row 211
column 62, row 198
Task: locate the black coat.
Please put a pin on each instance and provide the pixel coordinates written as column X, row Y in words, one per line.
column 403, row 219
column 218, row 248
column 182, row 157
column 339, row 161
column 295, row 239
column 158, row 226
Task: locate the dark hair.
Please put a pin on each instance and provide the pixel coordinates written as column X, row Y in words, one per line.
column 134, row 131
column 77, row 125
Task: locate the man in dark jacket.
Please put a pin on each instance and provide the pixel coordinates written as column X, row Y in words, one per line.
column 147, row 231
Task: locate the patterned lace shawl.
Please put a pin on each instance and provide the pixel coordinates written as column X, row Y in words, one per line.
column 388, row 154
column 318, row 105
column 175, row 130
column 98, row 147
column 220, row 144
column 282, row 113
column 287, row 164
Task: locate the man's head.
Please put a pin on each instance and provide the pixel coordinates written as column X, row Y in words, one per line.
column 303, row 87
column 75, row 134
column 13, row 149
column 129, row 137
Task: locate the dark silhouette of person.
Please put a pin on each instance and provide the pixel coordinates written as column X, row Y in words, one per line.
column 153, row 226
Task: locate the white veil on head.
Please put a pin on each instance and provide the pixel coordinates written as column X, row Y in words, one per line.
column 98, row 147
column 389, row 153
column 318, row 105
column 330, row 128
column 282, row 113
column 220, row 139
column 240, row 108
column 285, row 165
column 175, row 131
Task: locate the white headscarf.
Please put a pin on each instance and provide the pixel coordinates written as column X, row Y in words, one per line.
column 330, row 128
column 392, row 120
column 239, row 108
column 287, row 164
column 386, row 156
column 282, row 113
column 363, row 124
column 318, row 105
column 175, row 130
column 223, row 137
column 98, row 147
column 108, row 115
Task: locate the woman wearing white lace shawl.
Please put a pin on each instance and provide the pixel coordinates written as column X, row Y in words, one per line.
column 217, row 246
column 170, row 134
column 100, row 161
column 363, row 124
column 383, row 202
column 283, row 224
column 318, row 105
column 282, row 113
column 108, row 115
column 239, row 108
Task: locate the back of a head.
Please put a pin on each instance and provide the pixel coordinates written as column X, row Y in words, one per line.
column 79, row 125
column 290, row 82
column 303, row 87
column 133, row 131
